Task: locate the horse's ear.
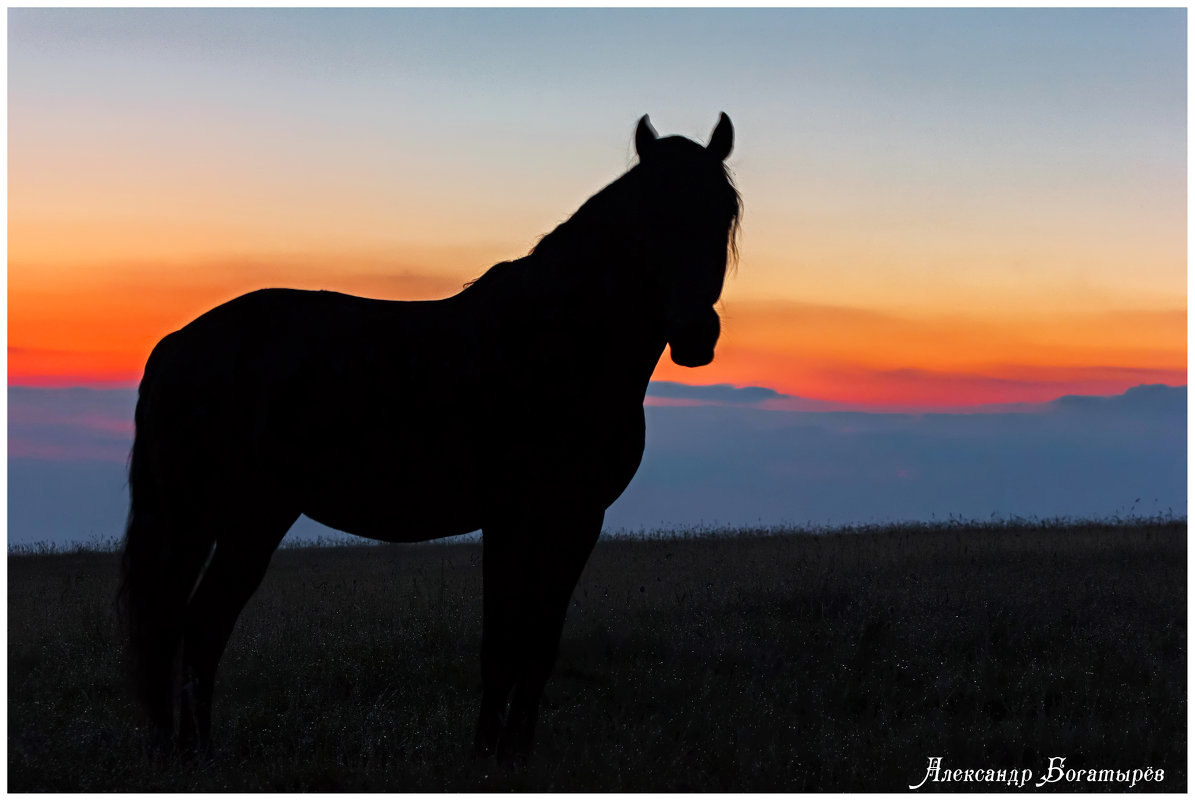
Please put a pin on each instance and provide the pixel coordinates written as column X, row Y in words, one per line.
column 645, row 137
column 722, row 139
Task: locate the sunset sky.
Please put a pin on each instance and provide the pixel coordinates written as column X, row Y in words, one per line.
column 942, row 208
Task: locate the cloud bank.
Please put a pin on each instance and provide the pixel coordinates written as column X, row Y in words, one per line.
column 1075, row 456
column 728, row 456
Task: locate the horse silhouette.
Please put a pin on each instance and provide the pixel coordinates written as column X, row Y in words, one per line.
column 514, row 407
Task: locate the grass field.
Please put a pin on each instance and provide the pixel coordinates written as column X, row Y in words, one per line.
column 788, row 662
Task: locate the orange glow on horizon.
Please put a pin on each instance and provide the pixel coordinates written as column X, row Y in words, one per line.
column 874, row 358
column 99, row 331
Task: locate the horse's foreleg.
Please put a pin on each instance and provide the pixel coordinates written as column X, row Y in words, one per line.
column 503, row 577
column 559, row 560
column 529, row 578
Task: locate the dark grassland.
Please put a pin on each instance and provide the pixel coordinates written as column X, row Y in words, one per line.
column 786, row 662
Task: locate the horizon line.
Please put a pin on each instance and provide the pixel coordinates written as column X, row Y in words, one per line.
column 776, row 401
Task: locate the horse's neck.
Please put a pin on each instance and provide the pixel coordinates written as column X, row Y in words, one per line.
column 598, row 296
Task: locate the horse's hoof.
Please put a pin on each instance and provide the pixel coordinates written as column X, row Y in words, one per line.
column 510, row 755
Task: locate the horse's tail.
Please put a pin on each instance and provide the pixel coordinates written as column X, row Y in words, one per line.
column 160, row 565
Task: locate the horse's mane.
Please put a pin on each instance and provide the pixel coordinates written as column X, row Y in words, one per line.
column 610, row 200
column 500, row 273
column 594, row 214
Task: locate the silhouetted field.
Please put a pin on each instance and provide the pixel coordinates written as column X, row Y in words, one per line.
column 786, row 662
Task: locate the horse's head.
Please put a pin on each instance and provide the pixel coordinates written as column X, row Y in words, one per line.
column 690, row 213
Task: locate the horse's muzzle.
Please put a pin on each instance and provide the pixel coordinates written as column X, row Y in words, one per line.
column 692, row 338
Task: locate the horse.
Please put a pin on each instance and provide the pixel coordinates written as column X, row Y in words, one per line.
column 514, row 407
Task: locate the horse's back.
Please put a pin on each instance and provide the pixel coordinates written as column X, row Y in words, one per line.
column 297, row 337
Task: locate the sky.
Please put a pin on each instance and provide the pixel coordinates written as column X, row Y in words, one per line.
column 946, row 211
column 943, row 207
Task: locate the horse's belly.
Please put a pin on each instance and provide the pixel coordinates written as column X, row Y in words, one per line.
column 398, row 511
column 397, row 488
column 403, row 526
column 449, row 473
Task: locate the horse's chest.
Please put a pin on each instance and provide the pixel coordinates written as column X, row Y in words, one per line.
column 577, row 453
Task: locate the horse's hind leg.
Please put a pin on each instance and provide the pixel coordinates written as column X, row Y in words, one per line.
column 242, row 554
column 161, row 563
